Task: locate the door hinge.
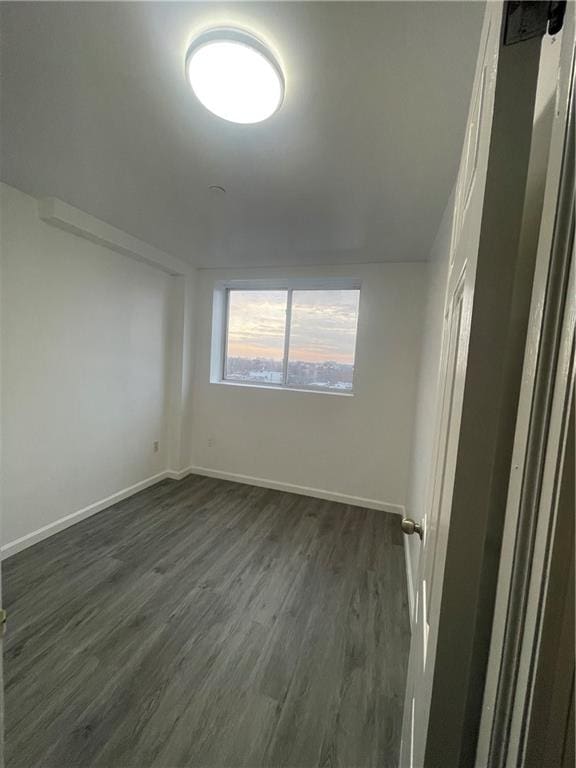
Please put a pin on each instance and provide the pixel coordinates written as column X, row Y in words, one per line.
column 524, row 20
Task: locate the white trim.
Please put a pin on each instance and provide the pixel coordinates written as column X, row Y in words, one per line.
column 525, row 654
column 221, row 322
column 282, row 283
column 12, row 547
column 302, row 490
column 409, row 582
column 75, row 517
column 59, row 214
column 176, row 474
column 287, row 331
column 284, row 388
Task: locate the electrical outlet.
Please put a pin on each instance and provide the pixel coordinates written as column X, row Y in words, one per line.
column 156, row 446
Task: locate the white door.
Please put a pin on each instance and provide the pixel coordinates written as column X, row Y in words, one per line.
column 466, row 223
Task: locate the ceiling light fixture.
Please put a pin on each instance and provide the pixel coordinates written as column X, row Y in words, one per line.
column 235, row 76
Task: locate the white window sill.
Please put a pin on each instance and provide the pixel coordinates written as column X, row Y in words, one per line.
column 277, row 388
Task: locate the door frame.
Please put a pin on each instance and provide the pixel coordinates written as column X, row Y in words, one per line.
column 543, row 420
column 499, row 327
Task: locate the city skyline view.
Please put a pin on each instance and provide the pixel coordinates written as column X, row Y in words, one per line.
column 315, row 375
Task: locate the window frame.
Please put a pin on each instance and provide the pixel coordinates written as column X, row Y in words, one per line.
column 220, row 324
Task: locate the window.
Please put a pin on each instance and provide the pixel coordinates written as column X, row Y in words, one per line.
column 298, row 337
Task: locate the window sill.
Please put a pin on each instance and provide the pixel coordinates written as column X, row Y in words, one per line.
column 276, row 388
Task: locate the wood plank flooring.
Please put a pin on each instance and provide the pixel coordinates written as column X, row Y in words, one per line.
column 206, row 623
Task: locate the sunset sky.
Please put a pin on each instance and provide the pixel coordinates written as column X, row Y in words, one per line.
column 323, row 325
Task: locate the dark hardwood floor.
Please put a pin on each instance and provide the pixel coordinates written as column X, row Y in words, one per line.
column 206, row 623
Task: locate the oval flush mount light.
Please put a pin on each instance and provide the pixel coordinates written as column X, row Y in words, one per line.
column 235, row 76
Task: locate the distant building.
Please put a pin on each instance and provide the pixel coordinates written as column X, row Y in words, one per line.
column 316, row 375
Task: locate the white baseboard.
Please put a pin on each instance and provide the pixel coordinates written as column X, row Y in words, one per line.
column 302, row 490
column 409, row 581
column 177, row 474
column 12, row 547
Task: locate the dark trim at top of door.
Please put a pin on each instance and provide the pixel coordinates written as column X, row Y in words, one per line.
column 524, row 19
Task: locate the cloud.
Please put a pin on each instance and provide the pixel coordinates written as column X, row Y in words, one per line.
column 323, row 325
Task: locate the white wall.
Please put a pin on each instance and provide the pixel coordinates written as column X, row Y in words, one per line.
column 427, row 392
column 98, row 362
column 357, row 446
column 85, row 383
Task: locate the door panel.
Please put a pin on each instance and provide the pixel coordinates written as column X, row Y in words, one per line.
column 466, row 180
column 446, row 434
column 469, row 197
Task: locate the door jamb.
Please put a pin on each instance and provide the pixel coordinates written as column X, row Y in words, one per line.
column 530, row 518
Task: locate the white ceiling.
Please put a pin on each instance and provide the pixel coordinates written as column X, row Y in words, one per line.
column 357, row 165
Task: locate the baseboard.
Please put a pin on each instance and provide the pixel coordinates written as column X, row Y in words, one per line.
column 177, row 474
column 409, row 581
column 302, row 490
column 12, row 547
column 64, row 522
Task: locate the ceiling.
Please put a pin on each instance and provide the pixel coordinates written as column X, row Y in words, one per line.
column 357, row 165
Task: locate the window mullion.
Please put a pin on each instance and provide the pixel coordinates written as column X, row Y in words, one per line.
column 287, row 337
column 225, row 340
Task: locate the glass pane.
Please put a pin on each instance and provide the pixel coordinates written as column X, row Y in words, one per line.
column 255, row 343
column 323, row 339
